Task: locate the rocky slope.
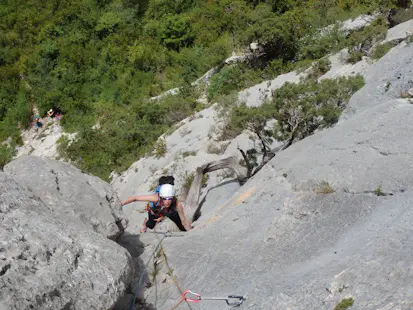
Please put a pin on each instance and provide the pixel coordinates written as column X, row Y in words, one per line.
column 326, row 219
column 54, row 246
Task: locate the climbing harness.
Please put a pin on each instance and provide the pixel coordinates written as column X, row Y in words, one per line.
column 231, row 300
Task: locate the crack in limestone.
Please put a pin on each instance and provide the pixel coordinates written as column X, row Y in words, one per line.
column 380, row 152
column 375, row 192
column 384, row 153
column 5, row 269
column 373, row 147
column 118, row 220
column 56, row 179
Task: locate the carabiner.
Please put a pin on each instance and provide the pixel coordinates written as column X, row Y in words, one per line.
column 198, row 296
column 240, row 300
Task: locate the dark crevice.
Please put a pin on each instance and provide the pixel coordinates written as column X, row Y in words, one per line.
column 68, row 306
column 22, row 256
column 55, row 293
column 135, row 248
column 43, row 299
column 48, row 255
column 120, row 226
column 95, row 228
column 76, row 261
column 118, row 221
column 56, row 179
column 375, row 192
column 4, row 269
column 378, row 150
column 109, row 199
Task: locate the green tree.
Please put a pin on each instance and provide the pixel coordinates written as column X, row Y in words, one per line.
column 177, row 32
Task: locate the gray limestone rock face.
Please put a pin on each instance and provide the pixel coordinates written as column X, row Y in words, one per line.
column 369, row 151
column 400, row 31
column 326, row 219
column 387, row 79
column 50, row 260
column 285, row 245
column 70, row 194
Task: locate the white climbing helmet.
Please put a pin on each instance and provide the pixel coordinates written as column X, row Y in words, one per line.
column 167, row 190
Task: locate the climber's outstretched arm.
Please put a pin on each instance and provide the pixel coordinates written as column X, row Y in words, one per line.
column 149, row 198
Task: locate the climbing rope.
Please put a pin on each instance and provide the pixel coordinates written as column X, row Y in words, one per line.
column 171, row 274
column 231, row 300
column 138, row 287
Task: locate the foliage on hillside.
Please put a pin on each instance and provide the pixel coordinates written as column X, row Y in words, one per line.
column 299, row 109
column 99, row 61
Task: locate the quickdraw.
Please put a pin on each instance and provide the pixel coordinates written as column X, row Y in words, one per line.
column 231, row 300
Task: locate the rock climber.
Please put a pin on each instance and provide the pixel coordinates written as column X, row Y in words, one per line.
column 37, row 123
column 164, row 204
column 55, row 113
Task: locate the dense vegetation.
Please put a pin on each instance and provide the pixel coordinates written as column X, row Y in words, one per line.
column 100, row 60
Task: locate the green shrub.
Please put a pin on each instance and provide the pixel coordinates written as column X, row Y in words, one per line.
column 302, row 108
column 379, row 191
column 215, row 148
column 344, row 304
column 99, row 61
column 376, row 31
column 359, row 42
column 319, row 68
column 188, row 153
column 160, row 148
column 299, row 109
column 188, row 179
column 381, row 50
column 354, row 56
column 401, row 16
column 319, row 44
column 233, row 78
column 125, row 134
column 6, row 155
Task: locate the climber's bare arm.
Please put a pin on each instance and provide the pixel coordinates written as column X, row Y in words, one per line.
column 149, row 198
column 184, row 221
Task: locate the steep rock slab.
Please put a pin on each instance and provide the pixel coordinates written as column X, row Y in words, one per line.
column 400, row 31
column 49, row 261
column 287, row 249
column 69, row 193
column 369, row 151
column 387, row 79
column 284, row 245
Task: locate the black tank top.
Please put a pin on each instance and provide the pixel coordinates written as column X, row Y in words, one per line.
column 161, row 210
column 170, row 210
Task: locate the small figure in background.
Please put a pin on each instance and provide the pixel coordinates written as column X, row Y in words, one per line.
column 51, row 113
column 55, row 113
column 37, row 123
